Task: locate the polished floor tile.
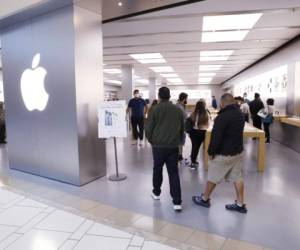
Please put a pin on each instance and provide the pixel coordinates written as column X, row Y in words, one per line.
column 102, row 230
column 18, row 216
column 39, row 239
column 176, row 232
column 61, row 221
column 8, row 197
column 206, row 241
column 90, row 242
column 102, row 211
column 150, row 245
column 124, row 218
column 240, row 245
column 5, row 231
column 149, row 224
column 31, row 203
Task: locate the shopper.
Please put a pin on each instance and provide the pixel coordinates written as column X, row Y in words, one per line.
column 255, row 106
column 246, row 100
column 137, row 108
column 268, row 120
column 199, row 122
column 181, row 104
column 225, row 151
column 244, row 107
column 164, row 131
column 2, row 124
column 214, row 103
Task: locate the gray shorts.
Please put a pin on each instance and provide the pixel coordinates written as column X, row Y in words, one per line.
column 225, row 167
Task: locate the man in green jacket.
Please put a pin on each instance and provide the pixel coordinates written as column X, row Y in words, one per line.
column 164, row 131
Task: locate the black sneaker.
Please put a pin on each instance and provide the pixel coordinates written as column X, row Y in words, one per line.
column 193, row 166
column 198, row 200
column 237, row 208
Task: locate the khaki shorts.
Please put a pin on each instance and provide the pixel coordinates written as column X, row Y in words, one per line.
column 225, row 167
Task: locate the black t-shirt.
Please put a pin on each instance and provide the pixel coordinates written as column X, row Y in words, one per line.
column 137, row 106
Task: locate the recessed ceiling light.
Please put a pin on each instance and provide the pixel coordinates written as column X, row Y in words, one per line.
column 148, row 61
column 224, row 36
column 162, row 69
column 112, row 71
column 204, row 79
column 170, row 75
column 209, row 67
column 174, row 80
column 215, row 55
column 207, row 74
column 120, row 4
column 114, row 81
column 230, row 22
column 145, row 81
column 148, row 58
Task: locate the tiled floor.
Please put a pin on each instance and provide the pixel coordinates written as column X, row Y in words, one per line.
column 128, row 208
column 26, row 224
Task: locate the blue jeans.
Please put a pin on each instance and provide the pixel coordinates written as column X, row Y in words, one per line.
column 168, row 156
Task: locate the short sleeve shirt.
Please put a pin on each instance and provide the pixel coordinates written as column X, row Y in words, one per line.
column 137, row 106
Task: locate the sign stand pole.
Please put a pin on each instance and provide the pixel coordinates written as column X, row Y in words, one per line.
column 118, row 176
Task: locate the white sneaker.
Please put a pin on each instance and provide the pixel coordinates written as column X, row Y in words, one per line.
column 177, row 208
column 134, row 142
column 184, row 162
column 155, row 197
column 141, row 143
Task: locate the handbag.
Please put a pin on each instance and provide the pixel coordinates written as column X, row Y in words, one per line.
column 268, row 119
column 188, row 126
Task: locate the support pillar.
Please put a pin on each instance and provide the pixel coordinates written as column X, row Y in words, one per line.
column 52, row 69
column 152, row 88
column 127, row 83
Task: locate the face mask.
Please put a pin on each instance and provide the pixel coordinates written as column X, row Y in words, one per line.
column 185, row 102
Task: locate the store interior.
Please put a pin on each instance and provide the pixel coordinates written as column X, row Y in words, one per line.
column 203, row 49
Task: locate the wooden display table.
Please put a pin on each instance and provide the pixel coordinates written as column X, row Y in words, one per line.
column 291, row 121
column 249, row 132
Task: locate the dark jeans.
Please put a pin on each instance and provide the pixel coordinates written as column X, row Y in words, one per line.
column 257, row 121
column 137, row 124
column 267, row 131
column 2, row 133
column 197, row 137
column 168, row 156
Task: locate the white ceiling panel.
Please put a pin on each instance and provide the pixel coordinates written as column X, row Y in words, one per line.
column 177, row 34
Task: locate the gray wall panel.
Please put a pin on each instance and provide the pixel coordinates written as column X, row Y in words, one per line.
column 53, row 143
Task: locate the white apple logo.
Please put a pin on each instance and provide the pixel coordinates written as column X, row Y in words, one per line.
column 32, row 86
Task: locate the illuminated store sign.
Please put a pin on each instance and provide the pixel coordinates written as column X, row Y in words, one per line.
column 33, row 87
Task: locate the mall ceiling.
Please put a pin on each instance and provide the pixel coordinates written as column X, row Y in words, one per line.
column 242, row 33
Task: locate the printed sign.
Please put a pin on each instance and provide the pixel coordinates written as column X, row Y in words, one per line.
column 112, row 119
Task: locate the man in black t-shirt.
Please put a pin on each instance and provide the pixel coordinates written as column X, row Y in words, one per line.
column 138, row 108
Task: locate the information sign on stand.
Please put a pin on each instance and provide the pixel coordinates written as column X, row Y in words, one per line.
column 112, row 124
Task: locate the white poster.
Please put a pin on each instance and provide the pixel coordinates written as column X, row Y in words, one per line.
column 112, row 119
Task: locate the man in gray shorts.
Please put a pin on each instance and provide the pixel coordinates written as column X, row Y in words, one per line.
column 225, row 151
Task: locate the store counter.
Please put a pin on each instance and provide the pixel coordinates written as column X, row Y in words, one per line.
column 249, row 132
column 286, row 131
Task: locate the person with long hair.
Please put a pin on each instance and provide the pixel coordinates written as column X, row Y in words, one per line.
column 199, row 120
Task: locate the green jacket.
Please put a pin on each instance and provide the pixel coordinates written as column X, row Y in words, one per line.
column 165, row 125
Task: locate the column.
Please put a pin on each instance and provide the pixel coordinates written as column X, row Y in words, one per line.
column 52, row 84
column 127, row 83
column 152, row 88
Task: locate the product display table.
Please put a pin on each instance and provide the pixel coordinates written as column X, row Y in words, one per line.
column 291, row 121
column 249, row 132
